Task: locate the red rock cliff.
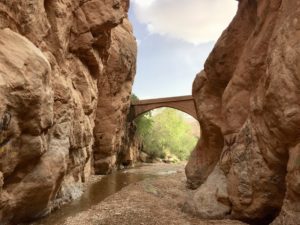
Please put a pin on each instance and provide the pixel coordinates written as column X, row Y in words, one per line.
column 66, row 70
column 247, row 161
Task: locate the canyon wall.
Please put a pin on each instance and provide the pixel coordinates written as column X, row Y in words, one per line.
column 66, row 71
column 247, row 164
column 114, row 87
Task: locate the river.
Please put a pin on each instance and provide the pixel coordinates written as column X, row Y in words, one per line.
column 106, row 186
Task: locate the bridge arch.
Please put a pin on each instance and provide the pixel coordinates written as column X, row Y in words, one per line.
column 182, row 103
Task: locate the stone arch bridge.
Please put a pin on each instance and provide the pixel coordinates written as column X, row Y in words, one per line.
column 183, row 103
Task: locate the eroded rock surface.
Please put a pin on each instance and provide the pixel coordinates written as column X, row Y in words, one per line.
column 210, row 201
column 248, row 105
column 66, row 69
column 114, row 99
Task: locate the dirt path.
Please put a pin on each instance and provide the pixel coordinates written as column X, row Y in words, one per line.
column 154, row 201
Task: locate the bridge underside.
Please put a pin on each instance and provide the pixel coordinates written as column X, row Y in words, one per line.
column 183, row 103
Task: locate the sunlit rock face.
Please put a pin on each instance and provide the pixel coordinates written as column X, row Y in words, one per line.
column 114, row 99
column 63, row 66
column 248, row 104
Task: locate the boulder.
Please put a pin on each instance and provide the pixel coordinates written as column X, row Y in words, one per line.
column 210, row 201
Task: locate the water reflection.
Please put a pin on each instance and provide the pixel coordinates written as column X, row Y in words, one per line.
column 94, row 194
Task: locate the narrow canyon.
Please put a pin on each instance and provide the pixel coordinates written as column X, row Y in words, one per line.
column 66, row 73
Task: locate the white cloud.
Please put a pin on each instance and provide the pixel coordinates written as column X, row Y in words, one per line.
column 194, row 21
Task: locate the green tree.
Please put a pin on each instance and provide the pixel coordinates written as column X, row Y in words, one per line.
column 173, row 133
column 144, row 122
column 165, row 133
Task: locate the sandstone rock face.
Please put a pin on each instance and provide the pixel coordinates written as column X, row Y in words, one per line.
column 66, row 69
column 248, row 105
column 132, row 148
column 210, row 201
column 114, row 99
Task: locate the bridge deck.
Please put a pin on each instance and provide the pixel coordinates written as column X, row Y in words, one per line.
column 160, row 100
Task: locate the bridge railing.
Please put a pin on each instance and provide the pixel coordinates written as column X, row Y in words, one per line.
column 162, row 100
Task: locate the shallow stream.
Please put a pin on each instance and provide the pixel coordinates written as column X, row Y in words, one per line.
column 99, row 190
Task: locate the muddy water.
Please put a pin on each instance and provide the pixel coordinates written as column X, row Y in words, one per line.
column 94, row 194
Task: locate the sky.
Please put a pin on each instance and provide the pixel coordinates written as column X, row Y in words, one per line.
column 174, row 39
